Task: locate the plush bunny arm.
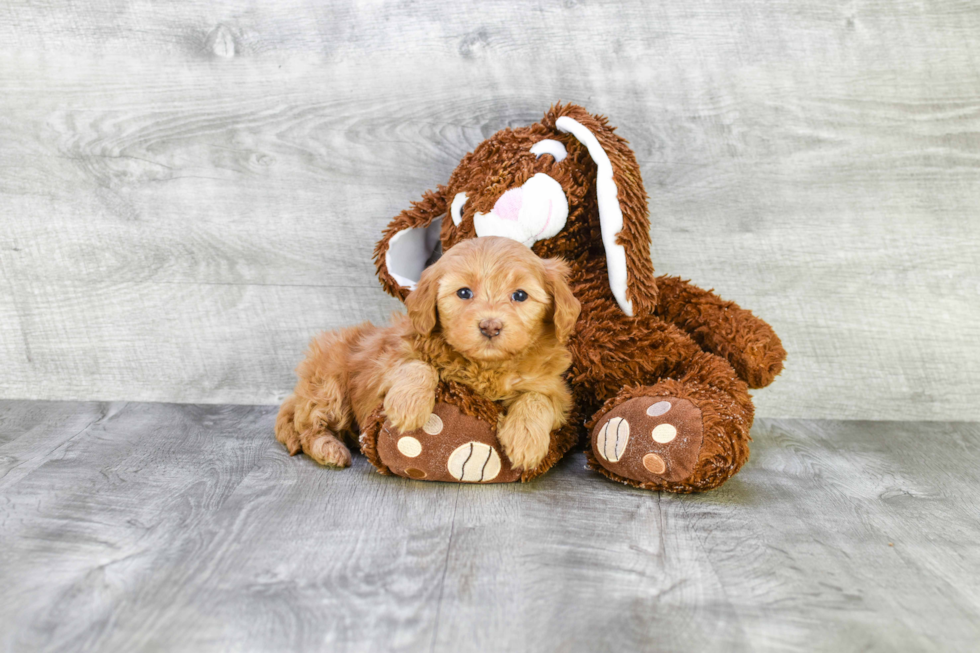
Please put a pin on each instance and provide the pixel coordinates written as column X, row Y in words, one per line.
column 408, row 242
column 723, row 328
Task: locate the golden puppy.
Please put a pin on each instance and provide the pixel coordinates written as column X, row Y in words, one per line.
column 489, row 314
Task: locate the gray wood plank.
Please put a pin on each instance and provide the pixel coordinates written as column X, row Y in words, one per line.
column 47, row 419
column 166, row 527
column 189, row 194
column 31, row 432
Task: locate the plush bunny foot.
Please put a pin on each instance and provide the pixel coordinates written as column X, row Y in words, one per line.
column 450, row 446
column 650, row 439
column 685, row 441
column 458, row 443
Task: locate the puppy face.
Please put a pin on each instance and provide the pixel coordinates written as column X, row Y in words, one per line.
column 493, row 299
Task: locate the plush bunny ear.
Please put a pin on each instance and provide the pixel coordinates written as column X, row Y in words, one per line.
column 408, row 243
column 622, row 205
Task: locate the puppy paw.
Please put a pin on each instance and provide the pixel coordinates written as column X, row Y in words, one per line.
column 286, row 429
column 408, row 407
column 525, row 442
column 325, row 449
column 289, row 437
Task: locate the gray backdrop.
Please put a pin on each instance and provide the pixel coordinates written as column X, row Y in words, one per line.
column 189, row 190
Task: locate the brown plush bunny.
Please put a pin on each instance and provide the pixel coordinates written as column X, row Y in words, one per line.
column 661, row 369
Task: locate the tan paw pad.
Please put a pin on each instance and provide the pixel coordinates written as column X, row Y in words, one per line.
column 474, row 462
column 409, row 446
column 658, row 409
column 433, row 425
column 664, row 433
column 612, row 440
column 654, row 463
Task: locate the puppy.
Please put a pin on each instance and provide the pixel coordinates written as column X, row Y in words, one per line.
column 489, row 314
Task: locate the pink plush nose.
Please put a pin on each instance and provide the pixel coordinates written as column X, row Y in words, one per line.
column 508, row 205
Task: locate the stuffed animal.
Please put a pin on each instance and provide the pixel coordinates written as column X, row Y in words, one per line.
column 661, row 369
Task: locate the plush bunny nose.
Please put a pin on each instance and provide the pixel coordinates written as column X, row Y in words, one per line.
column 508, row 206
column 491, row 327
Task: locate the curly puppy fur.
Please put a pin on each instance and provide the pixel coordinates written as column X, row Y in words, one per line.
column 489, row 315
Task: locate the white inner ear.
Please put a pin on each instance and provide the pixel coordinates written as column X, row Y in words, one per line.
column 610, row 213
column 552, row 147
column 456, row 210
column 408, row 250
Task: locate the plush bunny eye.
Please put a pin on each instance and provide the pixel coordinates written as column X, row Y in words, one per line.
column 552, row 147
column 464, row 293
column 519, row 296
column 456, row 209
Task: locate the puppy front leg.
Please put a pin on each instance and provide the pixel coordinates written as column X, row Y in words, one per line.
column 525, row 431
column 411, row 395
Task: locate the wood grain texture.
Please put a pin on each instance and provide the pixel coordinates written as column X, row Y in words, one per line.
column 188, row 192
column 177, row 528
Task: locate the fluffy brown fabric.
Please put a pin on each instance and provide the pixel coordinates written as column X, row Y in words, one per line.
column 490, row 317
column 681, row 343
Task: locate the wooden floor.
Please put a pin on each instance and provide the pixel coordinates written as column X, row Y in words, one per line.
column 127, row 527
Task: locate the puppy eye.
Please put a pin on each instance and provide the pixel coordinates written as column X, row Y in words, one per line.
column 464, row 293
column 456, row 209
column 519, row 296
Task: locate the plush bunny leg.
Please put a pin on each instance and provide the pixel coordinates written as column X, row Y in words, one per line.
column 458, row 443
column 684, row 434
column 723, row 328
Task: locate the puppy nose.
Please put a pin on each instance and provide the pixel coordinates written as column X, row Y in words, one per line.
column 491, row 327
column 508, row 206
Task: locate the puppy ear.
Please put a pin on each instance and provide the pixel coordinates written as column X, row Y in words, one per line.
column 421, row 302
column 566, row 307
